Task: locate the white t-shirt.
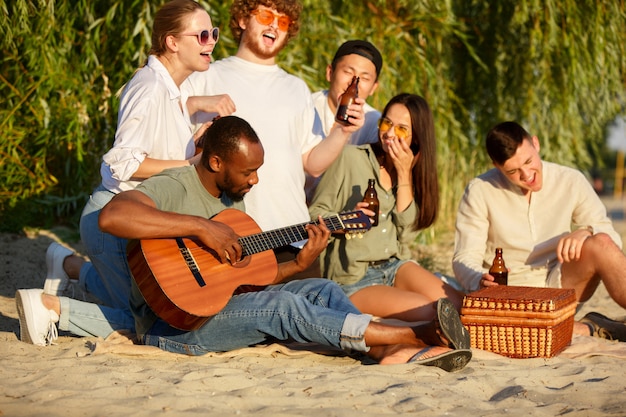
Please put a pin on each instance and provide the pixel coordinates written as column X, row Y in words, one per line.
column 325, row 118
column 324, row 121
column 278, row 106
column 153, row 121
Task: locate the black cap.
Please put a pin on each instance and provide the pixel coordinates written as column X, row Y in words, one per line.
column 363, row 48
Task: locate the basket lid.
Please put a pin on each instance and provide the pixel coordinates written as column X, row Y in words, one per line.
column 516, row 298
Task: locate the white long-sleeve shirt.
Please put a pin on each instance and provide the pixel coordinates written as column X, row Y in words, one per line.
column 494, row 213
column 153, row 121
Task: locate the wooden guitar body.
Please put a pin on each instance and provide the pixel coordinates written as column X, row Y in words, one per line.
column 184, row 282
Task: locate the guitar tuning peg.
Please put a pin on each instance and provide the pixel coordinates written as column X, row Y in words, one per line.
column 348, row 236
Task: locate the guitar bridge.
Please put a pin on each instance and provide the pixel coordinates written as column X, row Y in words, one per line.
column 190, row 262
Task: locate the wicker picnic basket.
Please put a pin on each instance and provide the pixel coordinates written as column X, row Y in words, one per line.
column 520, row 322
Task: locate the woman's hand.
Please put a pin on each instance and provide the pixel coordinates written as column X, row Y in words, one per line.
column 401, row 155
column 363, row 206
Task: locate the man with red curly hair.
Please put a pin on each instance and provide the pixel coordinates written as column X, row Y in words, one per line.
column 278, row 106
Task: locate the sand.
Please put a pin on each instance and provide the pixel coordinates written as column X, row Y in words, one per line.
column 94, row 377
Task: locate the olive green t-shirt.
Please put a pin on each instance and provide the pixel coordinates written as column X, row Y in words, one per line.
column 177, row 190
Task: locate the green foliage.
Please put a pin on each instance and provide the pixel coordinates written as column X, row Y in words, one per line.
column 60, row 63
column 558, row 67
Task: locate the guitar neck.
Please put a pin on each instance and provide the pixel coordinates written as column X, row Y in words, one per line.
column 277, row 238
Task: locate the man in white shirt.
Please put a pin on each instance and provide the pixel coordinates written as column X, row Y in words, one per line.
column 278, row 106
column 354, row 58
column 527, row 207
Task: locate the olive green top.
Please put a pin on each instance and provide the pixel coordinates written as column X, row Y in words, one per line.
column 340, row 188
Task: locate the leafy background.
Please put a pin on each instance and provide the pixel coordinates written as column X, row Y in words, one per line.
column 556, row 66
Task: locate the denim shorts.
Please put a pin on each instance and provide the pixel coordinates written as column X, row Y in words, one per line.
column 380, row 274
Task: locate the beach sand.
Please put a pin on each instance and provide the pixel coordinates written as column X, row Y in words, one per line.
column 93, row 377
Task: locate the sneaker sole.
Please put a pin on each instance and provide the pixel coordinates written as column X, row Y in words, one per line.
column 24, row 335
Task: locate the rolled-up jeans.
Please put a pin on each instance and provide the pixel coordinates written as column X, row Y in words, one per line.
column 89, row 319
column 107, row 276
column 309, row 310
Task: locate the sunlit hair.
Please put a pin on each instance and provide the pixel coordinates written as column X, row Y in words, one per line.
column 170, row 19
column 425, row 179
column 504, row 139
column 222, row 138
column 242, row 9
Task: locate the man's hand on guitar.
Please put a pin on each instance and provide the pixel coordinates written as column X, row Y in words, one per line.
column 186, row 290
column 222, row 239
column 318, row 240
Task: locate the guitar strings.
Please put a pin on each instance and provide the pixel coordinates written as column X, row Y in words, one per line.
column 263, row 241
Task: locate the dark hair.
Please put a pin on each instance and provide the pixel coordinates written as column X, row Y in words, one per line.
column 425, row 179
column 170, row 19
column 241, row 9
column 223, row 136
column 503, row 140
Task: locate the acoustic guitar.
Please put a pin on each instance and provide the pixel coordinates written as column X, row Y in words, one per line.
column 185, row 283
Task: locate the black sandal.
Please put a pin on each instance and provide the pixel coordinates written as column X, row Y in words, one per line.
column 604, row 327
column 451, row 325
column 450, row 361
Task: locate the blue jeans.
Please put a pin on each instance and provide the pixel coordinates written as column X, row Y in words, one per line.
column 383, row 274
column 107, row 276
column 310, row 310
column 88, row 319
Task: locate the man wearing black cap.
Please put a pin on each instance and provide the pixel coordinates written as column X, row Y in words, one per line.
column 353, row 58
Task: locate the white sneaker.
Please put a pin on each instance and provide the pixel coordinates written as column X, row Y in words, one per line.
column 57, row 280
column 37, row 323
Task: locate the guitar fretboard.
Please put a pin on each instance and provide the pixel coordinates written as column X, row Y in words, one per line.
column 277, row 238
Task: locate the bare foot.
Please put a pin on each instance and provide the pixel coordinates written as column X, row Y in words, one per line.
column 581, row 329
column 51, row 302
column 396, row 354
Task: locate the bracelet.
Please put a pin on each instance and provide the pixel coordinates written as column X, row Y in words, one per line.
column 403, row 185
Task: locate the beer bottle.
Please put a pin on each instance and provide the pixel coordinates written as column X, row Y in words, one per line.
column 346, row 99
column 371, row 197
column 498, row 269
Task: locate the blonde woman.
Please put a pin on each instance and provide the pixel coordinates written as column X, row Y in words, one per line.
column 154, row 133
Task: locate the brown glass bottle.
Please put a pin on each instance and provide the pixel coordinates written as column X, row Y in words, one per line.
column 346, row 99
column 371, row 197
column 498, row 269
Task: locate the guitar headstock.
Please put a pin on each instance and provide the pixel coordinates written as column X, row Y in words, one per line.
column 355, row 223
